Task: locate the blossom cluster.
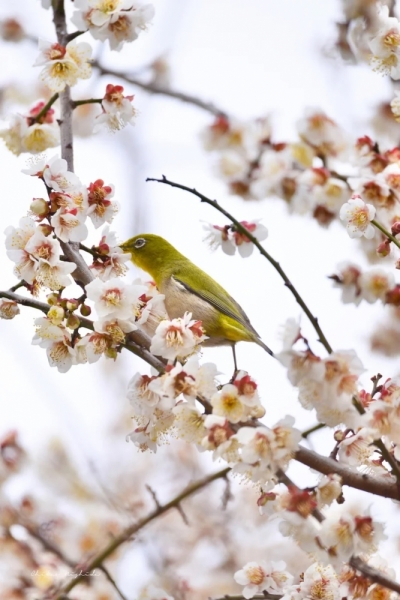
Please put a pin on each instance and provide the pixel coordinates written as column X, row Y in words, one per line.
column 370, row 285
column 64, row 65
column 118, row 21
column 230, row 239
column 34, row 132
column 310, row 174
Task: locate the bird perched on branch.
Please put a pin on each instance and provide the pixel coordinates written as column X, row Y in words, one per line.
column 188, row 288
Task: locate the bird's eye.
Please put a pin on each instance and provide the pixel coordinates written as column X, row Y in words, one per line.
column 140, row 242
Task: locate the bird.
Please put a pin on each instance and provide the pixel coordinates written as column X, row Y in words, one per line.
column 189, row 289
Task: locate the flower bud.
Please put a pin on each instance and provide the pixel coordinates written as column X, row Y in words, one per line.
column 45, row 229
column 72, row 304
column 39, row 207
column 73, row 322
column 56, row 315
column 85, row 310
column 383, row 249
column 339, row 436
column 52, row 299
column 396, row 228
column 111, row 353
column 393, row 296
column 8, row 309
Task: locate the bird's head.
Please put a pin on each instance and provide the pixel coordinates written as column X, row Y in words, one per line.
column 151, row 253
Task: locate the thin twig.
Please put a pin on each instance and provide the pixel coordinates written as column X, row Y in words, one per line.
column 273, row 262
column 75, row 103
column 112, row 581
column 123, row 537
column 386, row 232
column 308, row 432
column 45, row 108
column 156, row 89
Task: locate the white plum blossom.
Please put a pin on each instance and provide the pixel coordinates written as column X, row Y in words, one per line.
column 149, row 309
column 117, row 110
column 56, row 339
column 16, row 240
column 189, row 423
column 113, row 298
column 320, row 582
column 64, row 65
column 69, row 225
column 385, row 45
column 118, row 21
column 329, row 489
column 152, row 592
column 228, row 404
column 357, row 216
column 57, row 276
column 55, row 173
column 177, row 338
column 261, row 576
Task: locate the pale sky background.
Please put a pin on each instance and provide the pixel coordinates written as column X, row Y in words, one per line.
column 250, row 58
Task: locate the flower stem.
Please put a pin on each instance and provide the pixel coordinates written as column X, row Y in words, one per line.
column 45, row 108
column 386, row 232
column 75, row 103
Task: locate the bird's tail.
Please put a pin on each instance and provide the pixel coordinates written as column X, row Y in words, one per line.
column 261, row 343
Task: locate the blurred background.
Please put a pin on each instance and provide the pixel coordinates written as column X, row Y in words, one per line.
column 250, row 59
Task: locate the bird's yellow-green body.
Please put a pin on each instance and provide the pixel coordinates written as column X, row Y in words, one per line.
column 188, row 288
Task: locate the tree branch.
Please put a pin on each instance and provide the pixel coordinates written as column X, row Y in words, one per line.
column 123, row 537
column 313, row 320
column 164, row 91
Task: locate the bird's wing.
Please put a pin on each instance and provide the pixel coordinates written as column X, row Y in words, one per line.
column 231, row 308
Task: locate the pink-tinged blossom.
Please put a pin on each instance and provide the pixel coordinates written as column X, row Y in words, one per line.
column 247, row 388
column 261, row 576
column 118, row 21
column 219, row 236
column 112, row 261
column 357, row 216
column 101, row 208
column 57, row 342
column 322, row 133
column 44, row 248
column 117, row 110
column 347, row 279
column 8, row 309
column 153, row 433
column 143, row 400
column 189, row 379
column 113, row 298
column 230, row 239
column 150, row 308
column 115, row 328
column 177, row 338
column 69, row 225
column 351, row 534
column 63, row 65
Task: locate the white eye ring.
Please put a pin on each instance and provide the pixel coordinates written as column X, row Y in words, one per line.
column 140, row 242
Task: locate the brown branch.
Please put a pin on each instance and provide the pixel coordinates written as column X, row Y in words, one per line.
column 47, row 544
column 113, row 582
column 123, row 537
column 373, row 574
column 164, row 91
column 360, row 481
column 239, row 227
column 322, row 464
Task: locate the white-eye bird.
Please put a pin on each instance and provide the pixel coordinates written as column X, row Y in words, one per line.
column 188, row 288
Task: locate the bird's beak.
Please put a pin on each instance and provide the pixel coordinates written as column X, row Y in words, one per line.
column 124, row 247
